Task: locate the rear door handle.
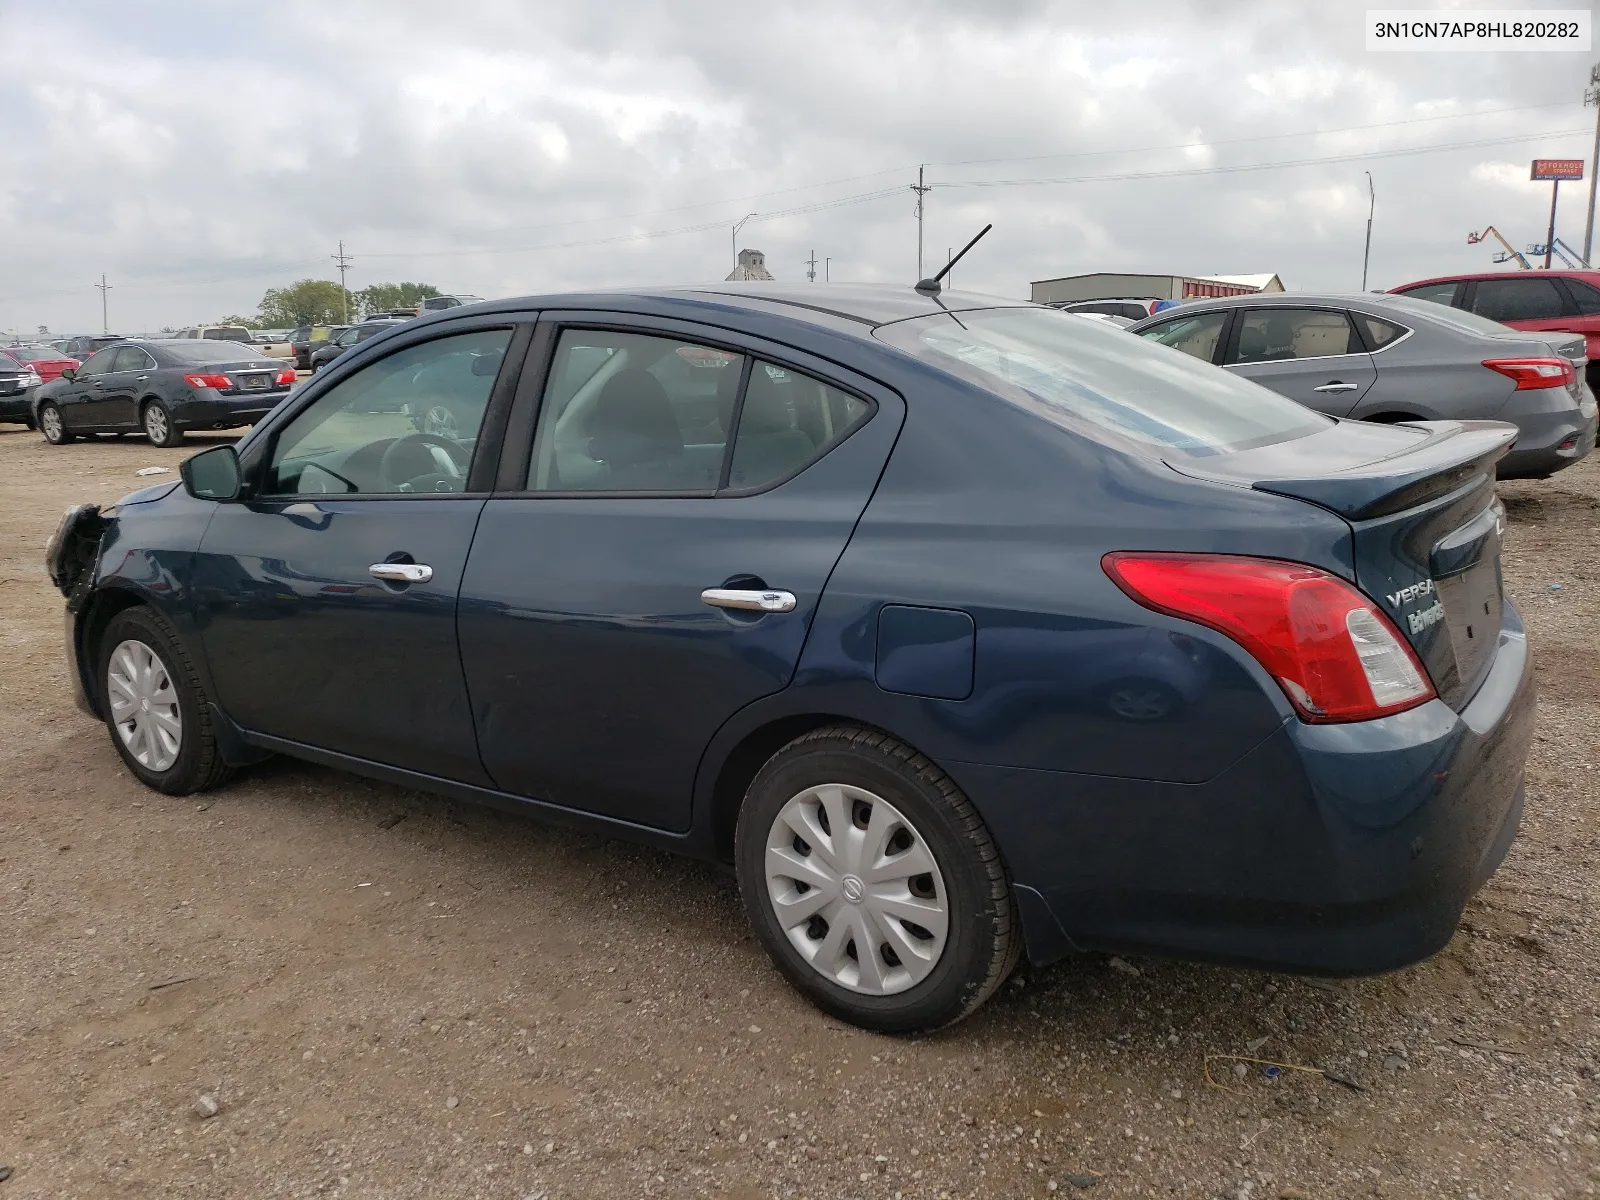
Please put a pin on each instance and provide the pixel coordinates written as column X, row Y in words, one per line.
column 1337, row 386
column 751, row 600
column 401, row 572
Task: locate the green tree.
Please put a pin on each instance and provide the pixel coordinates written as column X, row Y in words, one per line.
column 247, row 322
column 309, row 302
column 386, row 297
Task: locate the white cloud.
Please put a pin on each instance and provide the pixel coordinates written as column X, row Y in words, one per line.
column 213, row 152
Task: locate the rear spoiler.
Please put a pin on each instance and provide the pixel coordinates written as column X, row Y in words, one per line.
column 1452, row 454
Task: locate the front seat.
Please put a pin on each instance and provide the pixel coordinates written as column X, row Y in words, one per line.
column 632, row 431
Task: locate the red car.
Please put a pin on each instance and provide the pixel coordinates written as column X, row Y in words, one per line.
column 46, row 360
column 1562, row 301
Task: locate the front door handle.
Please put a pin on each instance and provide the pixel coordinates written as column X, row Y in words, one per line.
column 1337, row 386
column 391, row 572
column 763, row 600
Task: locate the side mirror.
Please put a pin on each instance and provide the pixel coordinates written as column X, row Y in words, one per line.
column 213, row 474
column 69, row 373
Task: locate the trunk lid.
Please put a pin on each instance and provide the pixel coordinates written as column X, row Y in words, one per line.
column 1426, row 526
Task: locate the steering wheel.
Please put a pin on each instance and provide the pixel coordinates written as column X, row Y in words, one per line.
column 441, row 479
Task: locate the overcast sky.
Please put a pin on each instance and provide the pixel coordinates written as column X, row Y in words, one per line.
column 198, row 154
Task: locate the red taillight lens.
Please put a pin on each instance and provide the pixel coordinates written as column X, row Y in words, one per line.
column 208, row 381
column 1334, row 654
column 285, row 376
column 1534, row 372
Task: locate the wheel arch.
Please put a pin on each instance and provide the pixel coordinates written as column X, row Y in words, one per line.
column 102, row 605
column 747, row 756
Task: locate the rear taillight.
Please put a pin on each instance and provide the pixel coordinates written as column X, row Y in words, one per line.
column 1534, row 372
column 1334, row 654
column 208, row 381
column 285, row 376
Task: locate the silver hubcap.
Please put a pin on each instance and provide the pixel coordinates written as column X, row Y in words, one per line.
column 155, row 423
column 856, row 889
column 50, row 419
column 144, row 705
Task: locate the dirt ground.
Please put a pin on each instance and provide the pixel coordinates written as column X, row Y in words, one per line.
column 391, row 995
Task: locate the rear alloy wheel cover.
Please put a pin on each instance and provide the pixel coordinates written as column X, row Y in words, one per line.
column 155, row 423
column 856, row 889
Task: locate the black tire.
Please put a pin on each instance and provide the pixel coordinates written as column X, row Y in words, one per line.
column 984, row 935
column 198, row 764
column 158, row 424
column 53, row 427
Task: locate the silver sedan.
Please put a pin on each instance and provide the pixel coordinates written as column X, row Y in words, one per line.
column 1388, row 358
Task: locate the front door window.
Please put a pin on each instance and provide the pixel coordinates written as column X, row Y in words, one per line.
column 407, row 423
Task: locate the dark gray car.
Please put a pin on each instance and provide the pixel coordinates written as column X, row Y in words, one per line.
column 1388, row 358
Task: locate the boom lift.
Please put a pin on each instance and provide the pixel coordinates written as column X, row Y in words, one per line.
column 1510, row 252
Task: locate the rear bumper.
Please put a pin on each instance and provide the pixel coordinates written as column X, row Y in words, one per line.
column 17, row 406
column 225, row 412
column 1331, row 849
column 1547, row 442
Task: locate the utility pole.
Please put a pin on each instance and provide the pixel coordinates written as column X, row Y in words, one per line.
column 738, row 225
column 344, row 260
column 811, row 267
column 1550, row 238
column 105, row 324
column 827, row 270
column 1592, row 96
column 921, row 189
column 949, row 260
column 1372, row 206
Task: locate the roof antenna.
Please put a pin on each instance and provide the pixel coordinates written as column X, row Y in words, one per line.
column 930, row 287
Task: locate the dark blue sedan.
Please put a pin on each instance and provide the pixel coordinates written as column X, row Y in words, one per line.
column 959, row 628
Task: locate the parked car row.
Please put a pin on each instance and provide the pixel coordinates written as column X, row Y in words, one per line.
column 1394, row 358
column 962, row 629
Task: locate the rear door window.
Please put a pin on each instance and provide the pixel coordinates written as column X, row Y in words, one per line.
column 1275, row 334
column 1517, row 300
column 1196, row 334
column 631, row 412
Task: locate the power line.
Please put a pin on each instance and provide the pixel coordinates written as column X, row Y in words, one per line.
column 1263, row 137
column 1359, row 156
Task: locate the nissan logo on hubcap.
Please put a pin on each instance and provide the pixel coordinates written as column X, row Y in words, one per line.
column 853, row 889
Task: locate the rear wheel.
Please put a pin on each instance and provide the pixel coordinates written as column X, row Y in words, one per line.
column 873, row 883
column 50, row 424
column 158, row 426
column 155, row 707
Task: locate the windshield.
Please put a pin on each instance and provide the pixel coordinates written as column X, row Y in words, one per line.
column 197, row 353
column 1076, row 372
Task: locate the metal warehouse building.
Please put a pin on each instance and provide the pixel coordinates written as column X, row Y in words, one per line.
column 1105, row 285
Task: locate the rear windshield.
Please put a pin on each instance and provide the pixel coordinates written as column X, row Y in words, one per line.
column 33, row 354
column 227, row 333
column 1444, row 315
column 1076, row 372
column 197, row 353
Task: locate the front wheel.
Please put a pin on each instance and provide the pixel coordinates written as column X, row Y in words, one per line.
column 873, row 883
column 158, row 426
column 154, row 706
column 51, row 425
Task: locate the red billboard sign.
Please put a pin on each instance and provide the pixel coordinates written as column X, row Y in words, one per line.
column 1557, row 168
